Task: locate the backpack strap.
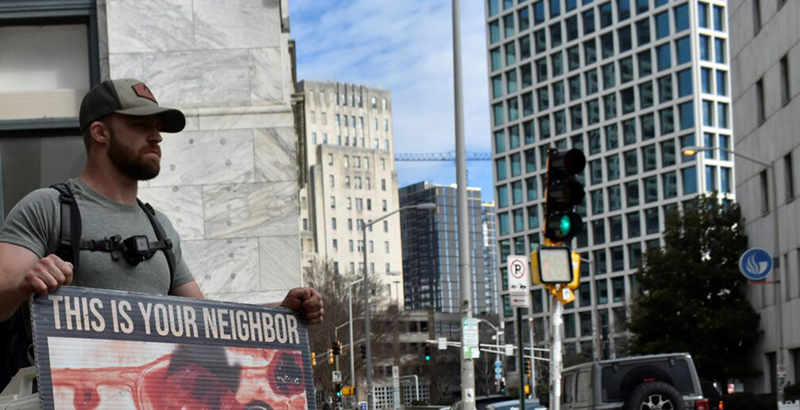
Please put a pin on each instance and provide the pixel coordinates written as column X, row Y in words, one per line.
column 69, row 241
column 162, row 238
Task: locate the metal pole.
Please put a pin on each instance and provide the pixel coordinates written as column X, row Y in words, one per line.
column 367, row 334
column 778, row 281
column 520, row 360
column 352, row 348
column 555, row 356
column 533, row 362
column 464, row 248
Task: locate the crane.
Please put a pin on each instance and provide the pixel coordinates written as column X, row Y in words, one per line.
column 442, row 156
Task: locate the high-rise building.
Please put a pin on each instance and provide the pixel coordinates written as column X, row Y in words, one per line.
column 430, row 250
column 350, row 181
column 766, row 53
column 629, row 82
column 490, row 267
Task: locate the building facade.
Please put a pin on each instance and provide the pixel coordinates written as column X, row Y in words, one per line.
column 766, row 54
column 628, row 82
column 430, row 250
column 490, row 262
column 228, row 181
column 351, row 181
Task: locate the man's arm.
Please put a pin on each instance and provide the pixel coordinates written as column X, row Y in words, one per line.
column 189, row 290
column 22, row 272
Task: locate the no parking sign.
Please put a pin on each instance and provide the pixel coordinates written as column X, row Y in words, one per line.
column 519, row 281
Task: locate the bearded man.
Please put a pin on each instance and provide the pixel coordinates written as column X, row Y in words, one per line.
column 121, row 123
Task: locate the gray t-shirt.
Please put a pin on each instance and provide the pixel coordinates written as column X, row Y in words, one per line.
column 35, row 223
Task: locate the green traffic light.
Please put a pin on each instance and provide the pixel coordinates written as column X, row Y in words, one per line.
column 427, row 358
column 565, row 225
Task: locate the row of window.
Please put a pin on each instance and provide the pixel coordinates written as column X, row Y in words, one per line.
column 352, row 270
column 646, row 128
column 346, row 141
column 342, row 120
column 335, row 245
column 343, row 99
column 357, row 161
column 359, row 224
column 359, row 203
column 604, row 10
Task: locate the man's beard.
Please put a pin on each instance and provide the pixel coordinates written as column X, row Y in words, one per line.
column 129, row 162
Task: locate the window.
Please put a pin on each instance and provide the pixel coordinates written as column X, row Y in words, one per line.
column 624, row 39
column 756, row 16
column 722, row 87
column 609, row 76
column 702, row 14
column 764, row 191
column 789, row 175
column 645, row 63
column 719, row 50
column 664, row 57
column 606, row 18
column 667, row 119
column 665, row 89
column 588, row 22
column 687, row 115
column 649, row 158
column 555, row 8
column 711, row 178
column 651, row 220
column 631, row 163
column 722, row 115
column 705, row 80
column 705, row 48
column 662, row 25
column 643, row 32
column 589, row 52
column 684, row 50
column 634, row 225
column 612, row 167
column 668, row 153
column 786, row 92
column 646, row 95
column 610, row 106
column 599, row 231
column 612, row 137
column 607, row 45
column 572, row 28
column 708, row 116
column 689, row 178
column 555, row 34
column 557, row 64
column 625, row 70
column 681, row 18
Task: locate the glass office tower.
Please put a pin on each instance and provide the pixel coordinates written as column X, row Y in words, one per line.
column 628, row 82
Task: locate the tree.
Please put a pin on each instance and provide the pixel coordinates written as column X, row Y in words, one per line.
column 385, row 319
column 692, row 294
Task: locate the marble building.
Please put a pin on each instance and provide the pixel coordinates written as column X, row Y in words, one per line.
column 228, row 181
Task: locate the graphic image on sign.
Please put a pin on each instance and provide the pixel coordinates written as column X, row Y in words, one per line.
column 755, row 264
column 519, row 281
column 108, row 349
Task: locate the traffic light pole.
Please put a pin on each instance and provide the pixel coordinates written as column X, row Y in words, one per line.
column 462, row 212
column 555, row 355
column 521, row 360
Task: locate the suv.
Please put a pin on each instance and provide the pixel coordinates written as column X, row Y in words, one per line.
column 663, row 382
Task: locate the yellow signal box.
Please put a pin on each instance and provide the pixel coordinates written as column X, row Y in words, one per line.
column 313, row 359
column 348, row 391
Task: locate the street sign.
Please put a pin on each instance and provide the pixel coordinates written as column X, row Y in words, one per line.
column 470, row 393
column 362, row 405
column 498, row 376
column 442, row 343
column 396, row 386
column 336, row 377
column 509, row 350
column 471, row 341
column 519, row 282
column 498, row 370
column 755, row 264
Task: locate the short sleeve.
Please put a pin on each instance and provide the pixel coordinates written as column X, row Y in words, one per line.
column 32, row 222
column 182, row 273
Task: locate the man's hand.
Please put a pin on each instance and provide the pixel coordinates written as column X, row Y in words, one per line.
column 46, row 275
column 306, row 301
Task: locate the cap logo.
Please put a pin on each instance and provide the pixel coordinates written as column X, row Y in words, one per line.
column 143, row 91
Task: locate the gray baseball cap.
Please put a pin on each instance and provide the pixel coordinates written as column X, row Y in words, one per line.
column 129, row 97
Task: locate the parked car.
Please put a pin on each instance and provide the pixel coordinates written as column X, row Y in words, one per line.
column 711, row 392
column 530, row 404
column 664, row 381
column 482, row 402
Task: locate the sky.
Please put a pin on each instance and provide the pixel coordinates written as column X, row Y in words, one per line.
column 405, row 46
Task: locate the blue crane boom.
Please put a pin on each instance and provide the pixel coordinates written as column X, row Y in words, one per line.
column 442, row 156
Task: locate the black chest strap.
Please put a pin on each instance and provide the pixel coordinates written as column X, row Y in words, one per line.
column 70, row 244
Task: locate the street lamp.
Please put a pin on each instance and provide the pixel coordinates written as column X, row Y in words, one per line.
column 367, row 334
column 692, row 151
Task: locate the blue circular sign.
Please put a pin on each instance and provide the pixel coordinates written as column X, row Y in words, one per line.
column 755, row 264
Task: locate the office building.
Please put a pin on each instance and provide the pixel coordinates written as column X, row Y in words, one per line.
column 766, row 54
column 430, row 250
column 227, row 181
column 490, row 262
column 350, row 181
column 628, row 82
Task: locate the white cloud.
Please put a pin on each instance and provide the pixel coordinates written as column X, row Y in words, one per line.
column 404, row 46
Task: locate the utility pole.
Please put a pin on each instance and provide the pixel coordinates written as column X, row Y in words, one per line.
column 464, row 248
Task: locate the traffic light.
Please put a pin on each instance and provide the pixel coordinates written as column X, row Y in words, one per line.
column 502, row 385
column 528, row 368
column 338, row 390
column 348, row 391
column 427, row 353
column 313, row 359
column 337, row 347
column 564, row 193
column 331, row 358
column 364, row 352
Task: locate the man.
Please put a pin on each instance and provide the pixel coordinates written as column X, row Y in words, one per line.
column 121, row 123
